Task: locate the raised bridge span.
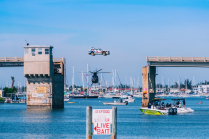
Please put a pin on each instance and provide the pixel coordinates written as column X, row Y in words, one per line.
column 177, row 61
column 19, row 61
column 149, row 71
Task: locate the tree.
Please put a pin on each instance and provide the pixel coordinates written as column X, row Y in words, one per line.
column 10, row 90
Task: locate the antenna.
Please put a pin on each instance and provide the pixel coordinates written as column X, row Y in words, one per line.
column 26, row 42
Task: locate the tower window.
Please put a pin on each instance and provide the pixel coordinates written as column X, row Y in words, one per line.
column 33, row 50
column 47, row 51
column 26, row 51
column 40, row 51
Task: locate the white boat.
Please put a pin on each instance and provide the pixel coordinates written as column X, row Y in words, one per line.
column 138, row 95
column 129, row 99
column 109, row 95
column 184, row 110
column 66, row 99
column 181, row 109
column 124, row 96
column 116, row 102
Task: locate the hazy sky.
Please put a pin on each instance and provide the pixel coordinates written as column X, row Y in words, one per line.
column 129, row 29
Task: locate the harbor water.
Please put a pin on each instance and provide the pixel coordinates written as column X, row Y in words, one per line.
column 16, row 121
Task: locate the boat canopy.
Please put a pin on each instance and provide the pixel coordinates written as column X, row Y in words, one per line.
column 177, row 99
column 116, row 97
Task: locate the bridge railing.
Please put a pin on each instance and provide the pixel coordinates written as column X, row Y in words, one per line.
column 177, row 59
column 11, row 59
column 59, row 60
column 21, row 59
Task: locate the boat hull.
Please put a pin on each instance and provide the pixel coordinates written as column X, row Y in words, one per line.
column 109, row 103
column 83, row 97
column 129, row 100
column 153, row 112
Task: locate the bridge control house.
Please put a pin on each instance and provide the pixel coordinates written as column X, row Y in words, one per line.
column 45, row 78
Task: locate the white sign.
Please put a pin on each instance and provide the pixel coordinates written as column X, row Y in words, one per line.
column 40, row 95
column 34, row 95
column 102, row 119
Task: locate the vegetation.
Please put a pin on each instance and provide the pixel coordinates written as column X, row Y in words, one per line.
column 10, row 90
column 1, row 99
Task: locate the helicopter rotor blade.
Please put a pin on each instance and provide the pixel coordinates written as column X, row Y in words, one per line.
column 99, row 70
column 105, row 72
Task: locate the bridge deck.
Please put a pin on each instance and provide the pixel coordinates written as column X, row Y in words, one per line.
column 19, row 61
column 178, row 61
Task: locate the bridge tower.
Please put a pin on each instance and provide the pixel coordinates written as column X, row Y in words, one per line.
column 148, row 73
column 45, row 80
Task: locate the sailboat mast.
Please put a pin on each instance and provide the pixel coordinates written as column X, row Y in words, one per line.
column 82, row 81
column 73, row 81
column 87, row 79
column 101, row 83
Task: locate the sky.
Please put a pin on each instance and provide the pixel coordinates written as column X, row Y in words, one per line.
column 129, row 29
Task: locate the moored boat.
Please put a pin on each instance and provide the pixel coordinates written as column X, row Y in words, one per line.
column 129, row 99
column 116, row 102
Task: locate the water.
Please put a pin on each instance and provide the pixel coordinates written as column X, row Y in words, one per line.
column 16, row 121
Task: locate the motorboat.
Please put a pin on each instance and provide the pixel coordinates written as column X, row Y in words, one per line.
column 110, row 95
column 129, row 99
column 184, row 110
column 66, row 99
column 158, row 108
column 181, row 109
column 138, row 95
column 207, row 97
column 117, row 101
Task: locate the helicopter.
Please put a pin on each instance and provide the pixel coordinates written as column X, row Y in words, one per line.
column 95, row 78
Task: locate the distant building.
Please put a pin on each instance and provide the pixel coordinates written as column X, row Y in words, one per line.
column 195, row 89
column 2, row 93
column 174, row 90
column 160, row 90
column 203, row 89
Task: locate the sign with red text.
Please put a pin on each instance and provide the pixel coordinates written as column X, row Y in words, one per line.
column 102, row 119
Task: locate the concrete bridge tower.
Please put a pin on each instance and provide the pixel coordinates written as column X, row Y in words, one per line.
column 45, row 80
column 148, row 73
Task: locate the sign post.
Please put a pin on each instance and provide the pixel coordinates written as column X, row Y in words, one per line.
column 114, row 123
column 88, row 122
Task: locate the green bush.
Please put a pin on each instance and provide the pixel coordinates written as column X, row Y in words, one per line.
column 1, row 99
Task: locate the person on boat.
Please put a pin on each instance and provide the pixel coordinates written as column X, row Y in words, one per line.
column 163, row 105
column 180, row 105
column 177, row 103
column 156, row 103
column 184, row 102
column 121, row 100
column 167, row 105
